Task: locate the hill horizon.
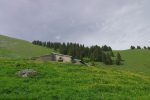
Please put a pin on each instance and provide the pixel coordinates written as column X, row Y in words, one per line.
column 25, row 49
column 19, row 38
column 58, row 80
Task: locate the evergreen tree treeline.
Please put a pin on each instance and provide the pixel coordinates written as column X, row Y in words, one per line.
column 139, row 47
column 78, row 51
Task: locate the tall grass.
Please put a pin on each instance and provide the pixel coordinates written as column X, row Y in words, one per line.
column 59, row 81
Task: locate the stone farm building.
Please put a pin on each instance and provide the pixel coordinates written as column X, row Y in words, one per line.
column 55, row 57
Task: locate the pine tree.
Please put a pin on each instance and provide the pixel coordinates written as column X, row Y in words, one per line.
column 108, row 59
column 132, row 47
column 92, row 58
column 118, row 59
column 138, row 47
column 63, row 49
column 103, row 57
column 112, row 54
column 144, row 47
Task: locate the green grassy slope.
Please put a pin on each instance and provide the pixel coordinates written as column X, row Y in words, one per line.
column 136, row 60
column 16, row 48
column 59, row 81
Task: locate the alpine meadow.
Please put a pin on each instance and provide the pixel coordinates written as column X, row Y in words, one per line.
column 57, row 80
column 74, row 50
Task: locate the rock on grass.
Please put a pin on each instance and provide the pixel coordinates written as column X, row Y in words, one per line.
column 26, row 73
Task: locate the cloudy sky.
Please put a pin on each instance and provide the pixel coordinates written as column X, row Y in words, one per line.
column 117, row 23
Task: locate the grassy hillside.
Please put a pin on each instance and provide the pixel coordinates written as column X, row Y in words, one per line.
column 59, row 81
column 55, row 81
column 136, row 60
column 16, row 48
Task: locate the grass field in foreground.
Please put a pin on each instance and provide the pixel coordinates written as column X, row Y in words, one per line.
column 55, row 81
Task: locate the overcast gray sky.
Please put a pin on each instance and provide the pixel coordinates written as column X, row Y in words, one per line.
column 117, row 23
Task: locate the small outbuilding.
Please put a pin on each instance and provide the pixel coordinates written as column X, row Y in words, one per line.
column 77, row 61
column 55, row 57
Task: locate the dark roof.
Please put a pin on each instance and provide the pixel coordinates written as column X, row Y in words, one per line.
column 60, row 54
column 53, row 54
column 77, row 60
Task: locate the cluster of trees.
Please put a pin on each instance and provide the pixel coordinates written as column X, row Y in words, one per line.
column 94, row 53
column 139, row 47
